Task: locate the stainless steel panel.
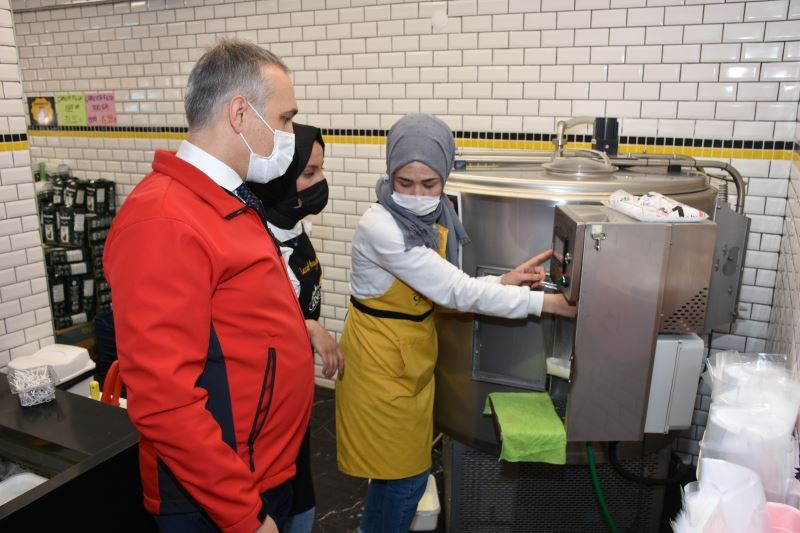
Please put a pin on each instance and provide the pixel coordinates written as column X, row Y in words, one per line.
column 499, row 352
column 505, row 232
column 687, row 277
column 559, row 334
column 501, row 356
column 459, row 403
column 726, row 272
column 615, row 332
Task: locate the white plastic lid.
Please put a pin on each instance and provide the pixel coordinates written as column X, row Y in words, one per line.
column 68, row 361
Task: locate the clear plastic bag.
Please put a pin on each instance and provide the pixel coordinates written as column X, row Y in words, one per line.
column 727, row 498
column 752, row 419
column 701, row 512
column 758, row 380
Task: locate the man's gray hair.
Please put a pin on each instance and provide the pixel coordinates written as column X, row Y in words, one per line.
column 231, row 67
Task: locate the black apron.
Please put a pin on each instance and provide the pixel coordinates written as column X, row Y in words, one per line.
column 305, row 265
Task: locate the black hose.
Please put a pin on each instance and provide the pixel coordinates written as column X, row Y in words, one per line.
column 646, row 481
column 637, row 522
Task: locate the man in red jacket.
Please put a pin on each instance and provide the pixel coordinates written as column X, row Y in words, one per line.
column 212, row 344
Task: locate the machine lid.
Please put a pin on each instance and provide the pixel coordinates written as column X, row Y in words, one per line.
column 579, row 167
column 534, row 181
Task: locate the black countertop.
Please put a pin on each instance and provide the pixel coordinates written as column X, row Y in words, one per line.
column 81, row 444
column 75, row 422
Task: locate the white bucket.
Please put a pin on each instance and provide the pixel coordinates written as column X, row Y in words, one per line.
column 428, row 508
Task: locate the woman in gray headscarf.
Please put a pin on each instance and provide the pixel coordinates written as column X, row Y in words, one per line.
column 404, row 260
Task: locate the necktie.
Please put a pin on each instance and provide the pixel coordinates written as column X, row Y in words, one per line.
column 246, row 195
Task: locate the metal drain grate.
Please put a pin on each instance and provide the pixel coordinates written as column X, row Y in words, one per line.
column 490, row 496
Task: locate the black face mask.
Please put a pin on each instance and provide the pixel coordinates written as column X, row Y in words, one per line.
column 313, row 199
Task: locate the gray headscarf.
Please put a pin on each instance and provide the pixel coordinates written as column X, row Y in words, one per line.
column 426, row 139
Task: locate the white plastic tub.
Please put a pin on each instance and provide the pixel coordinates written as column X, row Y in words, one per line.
column 67, row 361
column 428, row 508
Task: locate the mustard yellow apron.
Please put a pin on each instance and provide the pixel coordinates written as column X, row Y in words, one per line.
column 384, row 398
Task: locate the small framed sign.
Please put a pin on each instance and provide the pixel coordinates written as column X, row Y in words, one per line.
column 71, row 109
column 42, row 110
column 101, row 109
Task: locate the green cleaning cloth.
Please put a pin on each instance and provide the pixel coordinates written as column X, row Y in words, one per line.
column 530, row 429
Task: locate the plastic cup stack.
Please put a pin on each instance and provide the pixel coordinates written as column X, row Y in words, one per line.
column 754, row 407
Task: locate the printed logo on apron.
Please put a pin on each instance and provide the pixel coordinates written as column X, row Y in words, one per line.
column 316, row 298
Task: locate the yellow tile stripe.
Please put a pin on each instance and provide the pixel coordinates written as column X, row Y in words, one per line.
column 697, row 152
column 355, row 139
column 108, row 134
column 13, row 146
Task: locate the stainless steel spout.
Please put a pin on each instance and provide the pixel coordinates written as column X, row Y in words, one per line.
column 560, row 140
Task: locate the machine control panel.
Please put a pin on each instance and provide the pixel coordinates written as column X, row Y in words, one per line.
column 560, row 262
column 578, row 230
column 565, row 266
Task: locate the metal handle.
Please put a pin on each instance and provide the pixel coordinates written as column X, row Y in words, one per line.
column 603, row 155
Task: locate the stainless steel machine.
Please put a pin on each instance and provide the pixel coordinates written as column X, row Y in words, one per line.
column 630, row 280
column 507, row 204
column 632, row 355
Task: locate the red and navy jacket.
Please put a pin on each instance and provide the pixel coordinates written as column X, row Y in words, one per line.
column 212, row 345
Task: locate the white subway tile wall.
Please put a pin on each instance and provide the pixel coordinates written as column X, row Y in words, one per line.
column 783, row 333
column 706, row 69
column 25, row 318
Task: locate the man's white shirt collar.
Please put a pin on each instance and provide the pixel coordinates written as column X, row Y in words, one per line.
column 222, row 174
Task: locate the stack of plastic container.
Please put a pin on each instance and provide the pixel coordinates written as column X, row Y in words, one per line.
column 749, row 452
column 754, row 406
column 727, row 498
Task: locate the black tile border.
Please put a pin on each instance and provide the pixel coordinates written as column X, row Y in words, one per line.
column 13, row 137
column 123, row 129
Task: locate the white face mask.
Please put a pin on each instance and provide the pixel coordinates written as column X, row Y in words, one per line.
column 263, row 169
column 419, row 205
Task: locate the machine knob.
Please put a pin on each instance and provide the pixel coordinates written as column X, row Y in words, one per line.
column 567, row 258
